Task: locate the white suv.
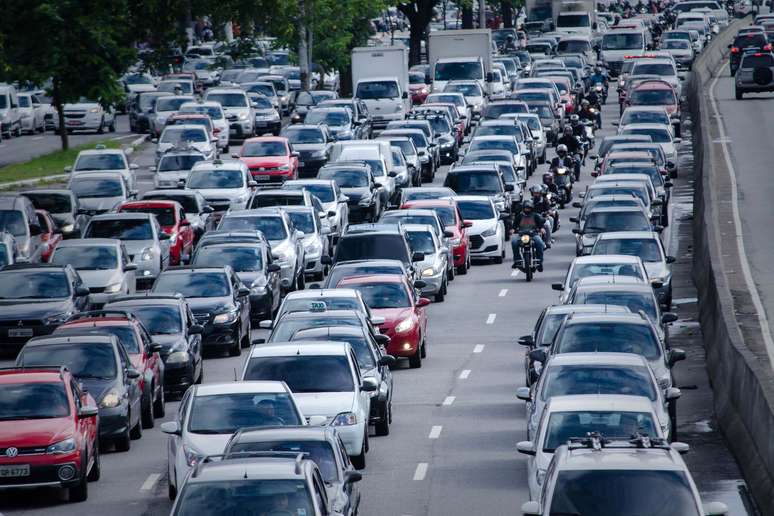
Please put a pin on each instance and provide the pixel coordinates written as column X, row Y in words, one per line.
column 216, row 114
column 225, row 184
column 104, row 160
column 238, row 108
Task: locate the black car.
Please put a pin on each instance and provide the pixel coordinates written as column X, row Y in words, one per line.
column 754, row 41
column 218, row 300
column 357, row 183
column 338, row 120
column 100, row 363
column 376, row 241
column 140, row 106
column 312, row 143
column 253, row 263
column 349, row 269
column 172, row 325
column 361, row 119
column 62, row 205
column 300, row 103
column 36, row 298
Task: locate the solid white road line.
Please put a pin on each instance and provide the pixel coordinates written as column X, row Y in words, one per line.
column 503, row 292
column 464, row 374
column 448, row 400
column 479, row 348
column 421, row 471
column 150, row 481
column 435, row 432
column 756, row 298
column 491, row 318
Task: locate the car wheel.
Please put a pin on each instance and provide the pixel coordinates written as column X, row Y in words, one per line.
column 415, row 360
column 359, row 461
column 101, row 128
column 452, row 273
column 171, row 490
column 423, row 349
column 463, row 269
column 80, row 492
column 96, row 468
column 147, row 411
column 124, row 442
column 159, row 408
column 738, row 94
column 301, row 281
column 441, row 295
column 498, row 260
column 236, row 349
column 383, row 426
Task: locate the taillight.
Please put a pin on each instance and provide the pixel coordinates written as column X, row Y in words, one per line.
column 734, row 50
column 767, row 48
column 216, row 130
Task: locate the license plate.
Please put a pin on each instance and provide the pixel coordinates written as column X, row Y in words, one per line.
column 261, row 124
column 300, row 163
column 262, row 178
column 73, row 122
column 20, row 332
column 20, row 470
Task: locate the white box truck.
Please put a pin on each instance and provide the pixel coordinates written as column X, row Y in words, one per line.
column 460, row 55
column 380, row 79
column 575, row 16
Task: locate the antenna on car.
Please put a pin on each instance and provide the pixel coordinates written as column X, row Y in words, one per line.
column 235, row 375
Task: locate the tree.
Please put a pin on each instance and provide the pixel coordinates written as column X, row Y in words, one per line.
column 419, row 13
column 80, row 46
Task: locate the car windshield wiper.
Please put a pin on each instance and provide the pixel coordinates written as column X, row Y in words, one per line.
column 210, row 431
column 94, row 376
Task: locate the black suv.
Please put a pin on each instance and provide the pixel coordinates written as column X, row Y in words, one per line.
column 357, row 183
column 755, row 41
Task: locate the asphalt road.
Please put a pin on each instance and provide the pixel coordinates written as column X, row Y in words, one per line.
column 17, row 150
column 452, row 445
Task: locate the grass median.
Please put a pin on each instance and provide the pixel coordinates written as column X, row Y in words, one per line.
column 49, row 164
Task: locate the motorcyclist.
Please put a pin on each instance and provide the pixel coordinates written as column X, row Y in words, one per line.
column 510, row 43
column 543, row 207
column 586, row 112
column 573, row 146
column 529, row 221
column 598, row 77
column 562, row 159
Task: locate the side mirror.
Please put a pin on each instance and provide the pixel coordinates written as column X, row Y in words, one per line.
column 405, row 95
column 576, row 204
column 417, row 257
column 531, row 508
column 273, row 267
column 392, row 174
column 377, row 320
column 255, row 342
column 235, row 155
column 185, row 222
column 171, row 428
column 252, row 184
column 243, row 292
column 130, row 267
column 658, row 229
column 350, row 477
column 208, row 209
column 668, row 317
column 538, row 355
column 381, row 339
column 577, row 231
column 419, row 284
column 331, row 213
column 671, row 259
column 387, row 360
column 266, row 324
column 448, row 234
column 88, row 411
column 300, row 234
column 132, row 373
column 672, row 393
column 676, row 355
column 557, row 286
column 369, row 385
column 154, row 347
column 467, row 224
column 164, row 236
column 526, row 447
column 677, row 141
column 526, row 340
column 715, row 509
column 523, row 394
column 133, row 166
column 68, row 169
column 196, row 329
column 81, row 291
column 423, row 301
column 295, row 154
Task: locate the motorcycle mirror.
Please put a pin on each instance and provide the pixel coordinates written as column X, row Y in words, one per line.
column 577, row 231
column 575, row 220
column 557, row 286
column 576, row 204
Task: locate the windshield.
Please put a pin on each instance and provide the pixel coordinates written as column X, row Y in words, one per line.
column 377, row 90
column 645, row 117
column 574, row 21
column 461, row 70
column 318, row 451
column 573, row 46
column 509, row 145
column 562, row 426
column 12, row 221
column 332, row 118
column 657, row 135
column 51, row 202
column 612, row 337
column 165, row 104
column 421, row 242
column 323, row 192
column 86, row 257
column 585, row 270
column 100, row 162
column 127, row 229
column 228, row 99
column 634, row 301
column 627, row 168
column 261, row 102
column 447, row 99
column 297, row 135
column 538, row 48
column 170, row 163
column 226, row 413
column 497, row 130
column 304, row 373
column 174, row 134
column 496, row 110
column 467, row 89
column 265, row 148
column 19, row 401
column 607, row 221
column 372, row 247
column 263, row 89
column 647, row 249
column 137, row 79
column 476, row 210
column 615, row 492
column 478, row 182
column 92, row 360
column 273, row 228
column 648, row 68
column 193, row 284
column 623, row 41
column 598, row 379
column 229, row 498
column 34, row 284
column 346, row 178
column 165, row 216
column 214, row 112
column 215, row 179
column 303, row 221
column 158, row 320
column 188, row 202
column 447, row 215
column 652, row 98
column 241, row 259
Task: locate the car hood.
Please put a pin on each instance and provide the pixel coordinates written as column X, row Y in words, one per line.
column 656, row 269
column 219, row 193
column 248, row 278
column 479, row 226
column 98, row 203
column 31, row 309
column 84, row 106
column 327, row 404
column 35, row 432
column 355, row 194
column 208, row 304
column 392, row 315
column 200, row 146
column 266, row 161
column 134, row 247
column 62, row 218
column 140, row 88
column 167, row 342
column 97, row 387
column 100, row 278
column 208, row 444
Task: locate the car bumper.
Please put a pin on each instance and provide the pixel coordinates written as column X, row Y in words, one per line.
column 220, row 335
column 14, row 336
column 178, row 376
column 240, row 130
column 113, row 422
column 260, row 306
column 403, row 344
column 459, row 253
column 352, row 437
column 489, row 247
column 313, row 265
column 263, row 126
column 433, row 284
column 44, row 474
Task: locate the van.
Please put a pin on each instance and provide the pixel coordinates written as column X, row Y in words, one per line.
column 17, row 217
column 10, row 116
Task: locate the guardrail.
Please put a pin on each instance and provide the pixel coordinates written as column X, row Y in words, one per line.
column 743, row 383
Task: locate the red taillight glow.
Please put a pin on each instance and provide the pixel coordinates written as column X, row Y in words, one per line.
column 734, row 50
column 767, row 48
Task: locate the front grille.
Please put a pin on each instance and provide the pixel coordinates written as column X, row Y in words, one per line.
column 614, row 67
column 74, row 115
column 20, row 323
column 231, row 118
column 476, row 241
column 35, row 450
column 202, row 318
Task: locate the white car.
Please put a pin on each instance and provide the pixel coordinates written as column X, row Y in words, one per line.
column 326, row 381
column 87, row 115
column 216, row 114
column 659, row 133
column 187, row 135
column 333, row 201
column 32, row 113
column 315, row 240
column 163, row 108
column 238, row 108
column 225, row 184
column 600, row 265
column 210, row 414
column 487, row 234
column 104, row 160
column 473, row 93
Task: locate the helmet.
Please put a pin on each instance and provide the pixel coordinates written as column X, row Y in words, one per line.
column 574, row 119
column 562, row 148
column 598, row 69
column 568, row 129
column 543, row 188
column 535, row 189
column 528, row 204
column 585, row 103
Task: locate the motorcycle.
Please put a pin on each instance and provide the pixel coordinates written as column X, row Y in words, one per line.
column 601, row 91
column 563, row 182
column 527, row 262
column 553, row 213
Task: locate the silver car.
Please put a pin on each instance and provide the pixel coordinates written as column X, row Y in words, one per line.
column 333, row 201
column 423, row 239
column 189, row 136
column 146, row 243
column 103, row 264
column 315, row 240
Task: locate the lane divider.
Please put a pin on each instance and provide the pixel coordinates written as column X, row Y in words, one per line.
column 504, row 292
column 421, row 471
column 435, row 432
column 479, row 348
column 464, row 374
column 448, row 400
column 491, row 318
column 150, row 481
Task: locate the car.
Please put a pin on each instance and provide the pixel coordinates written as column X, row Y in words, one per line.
column 224, row 184
column 53, row 443
column 62, row 206
column 218, row 301
column 487, row 231
column 10, row 117
column 312, row 143
column 41, row 297
column 315, row 239
column 197, row 211
column 681, row 51
column 179, row 85
column 316, row 315
column 481, row 179
column 300, row 103
column 743, row 43
column 103, row 265
column 164, row 107
column 332, row 198
column 50, row 235
column 638, row 467
column 425, row 193
column 331, row 299
column 503, row 159
column 270, row 159
column 449, row 213
column 645, row 114
column 405, row 319
column 409, row 154
column 238, row 110
column 602, row 264
column 369, row 267
column 286, row 241
column 141, row 106
column 655, row 94
column 505, row 142
column 142, row 351
column 378, row 154
column 267, row 118
column 361, row 119
column 604, row 201
column 375, row 241
column 142, row 236
column 32, row 113
column 650, row 171
column 104, row 160
column 649, row 248
column 251, row 258
column 358, row 185
column 279, row 198
column 187, row 136
column 210, row 414
column 567, row 417
column 320, row 444
column 418, row 87
column 201, row 119
column 173, row 222
column 639, row 185
column 102, row 368
column 88, row 115
column 216, row 114
column 443, row 120
column 325, row 380
column 424, row 216
column 338, row 120
column 659, row 134
column 754, row 74
column 603, row 220
column 474, row 95
column 99, row 192
column 458, row 99
column 172, row 169
column 424, row 146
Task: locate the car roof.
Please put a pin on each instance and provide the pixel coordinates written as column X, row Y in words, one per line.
column 31, row 374
column 322, row 292
column 300, row 348
column 325, row 331
column 102, row 151
column 91, row 338
column 98, row 175
column 89, row 242
column 596, row 318
column 599, row 402
column 589, row 308
column 622, row 359
column 245, row 387
column 373, row 278
column 616, row 235
column 606, row 258
column 473, row 198
column 124, row 215
column 284, row 433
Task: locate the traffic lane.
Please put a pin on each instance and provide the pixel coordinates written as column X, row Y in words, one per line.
column 27, row 147
column 749, row 129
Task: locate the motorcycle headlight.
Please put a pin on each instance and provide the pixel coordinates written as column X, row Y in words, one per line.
column 345, row 419
column 112, row 289
column 110, row 400
column 178, row 357
column 57, row 318
column 65, row 446
column 226, row 317
column 525, row 239
column 146, row 255
column 404, row 326
column 489, row 232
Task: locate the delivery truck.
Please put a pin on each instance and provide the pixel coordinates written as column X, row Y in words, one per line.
column 460, row 55
column 380, row 79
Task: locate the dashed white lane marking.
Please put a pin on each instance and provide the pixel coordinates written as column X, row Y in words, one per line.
column 449, row 400
column 435, row 432
column 36, row 138
column 479, row 348
column 150, row 481
column 685, row 300
column 491, row 318
column 464, row 374
column 421, row 471
column 515, row 273
column 503, row 293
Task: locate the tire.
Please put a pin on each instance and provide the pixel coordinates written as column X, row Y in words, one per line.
column 383, row 426
column 123, row 443
column 236, row 349
column 159, row 406
column 452, row 273
column 440, row 296
column 301, row 282
column 498, row 260
column 529, row 274
column 171, row 490
column 112, row 126
column 359, row 461
column 415, row 360
column 463, row 269
column 423, row 349
column 96, row 468
column 738, row 94
column 79, row 493
column 136, row 432
column 101, row 128
column 147, row 411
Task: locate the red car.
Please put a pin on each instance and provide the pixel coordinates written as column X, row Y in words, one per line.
column 143, row 353
column 172, row 220
column 270, row 159
column 51, row 236
column 405, row 320
column 654, row 93
column 48, row 431
column 418, row 89
column 451, row 217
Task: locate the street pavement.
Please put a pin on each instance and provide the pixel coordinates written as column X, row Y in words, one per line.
column 452, row 447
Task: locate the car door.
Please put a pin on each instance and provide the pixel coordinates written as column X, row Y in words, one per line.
column 175, row 453
column 163, row 245
column 242, row 300
column 86, row 426
column 194, row 340
column 272, row 278
column 155, row 365
column 364, row 398
column 132, row 385
column 350, row 488
column 185, row 234
column 385, row 374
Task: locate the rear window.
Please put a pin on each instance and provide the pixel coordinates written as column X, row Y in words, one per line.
column 750, row 40
column 372, row 247
column 755, row 61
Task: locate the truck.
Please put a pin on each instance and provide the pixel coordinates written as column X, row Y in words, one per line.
column 460, row 55
column 380, row 80
column 575, row 16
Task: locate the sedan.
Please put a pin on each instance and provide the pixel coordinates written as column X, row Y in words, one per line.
column 173, row 222
column 423, row 239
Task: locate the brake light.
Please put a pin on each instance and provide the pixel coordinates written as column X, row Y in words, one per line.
column 767, row 48
column 216, row 130
column 734, row 50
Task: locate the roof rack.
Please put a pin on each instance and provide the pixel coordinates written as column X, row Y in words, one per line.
column 299, row 457
column 93, row 314
column 596, row 441
column 54, row 368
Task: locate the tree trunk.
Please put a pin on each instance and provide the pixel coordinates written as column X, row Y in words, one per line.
column 416, row 32
column 56, row 100
column 467, row 18
column 506, row 12
column 303, row 50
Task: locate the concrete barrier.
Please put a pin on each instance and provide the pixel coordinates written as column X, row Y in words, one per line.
column 743, row 384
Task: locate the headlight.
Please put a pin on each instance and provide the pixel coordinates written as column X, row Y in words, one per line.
column 146, row 255
column 284, row 167
column 345, row 419
column 500, row 204
column 110, row 400
column 94, row 110
column 192, row 455
column 525, row 239
column 258, row 290
column 428, row 272
column 68, row 228
column 65, row 446
column 57, row 318
column 242, row 116
column 314, row 249
column 398, row 108
column 178, row 357
column 489, row 232
column 112, row 289
column 226, row 317
column 404, row 326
